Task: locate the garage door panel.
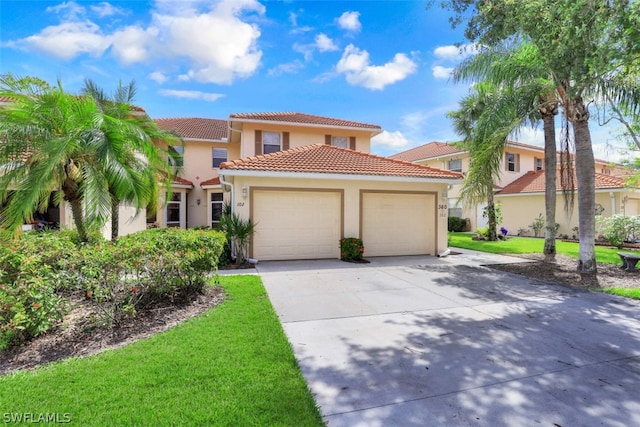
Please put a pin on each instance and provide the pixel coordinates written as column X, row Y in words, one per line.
column 296, row 224
column 398, row 224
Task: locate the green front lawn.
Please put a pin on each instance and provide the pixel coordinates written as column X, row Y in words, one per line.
column 527, row 245
column 230, row 366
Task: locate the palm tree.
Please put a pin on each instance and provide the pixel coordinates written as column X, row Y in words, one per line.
column 520, row 66
column 485, row 118
column 132, row 161
column 49, row 144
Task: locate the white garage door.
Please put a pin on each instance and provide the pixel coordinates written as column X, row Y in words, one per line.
column 398, row 224
column 297, row 224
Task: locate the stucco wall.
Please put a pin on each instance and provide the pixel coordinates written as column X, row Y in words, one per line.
column 521, row 210
column 301, row 136
column 242, row 205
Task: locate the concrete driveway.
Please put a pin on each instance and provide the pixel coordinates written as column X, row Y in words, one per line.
column 425, row 341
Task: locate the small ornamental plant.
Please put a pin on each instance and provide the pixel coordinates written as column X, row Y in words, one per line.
column 351, row 249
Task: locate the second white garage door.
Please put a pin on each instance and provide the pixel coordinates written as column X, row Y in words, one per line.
column 398, row 223
column 296, row 224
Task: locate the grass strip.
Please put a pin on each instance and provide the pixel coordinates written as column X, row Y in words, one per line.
column 528, row 245
column 623, row 292
column 230, row 366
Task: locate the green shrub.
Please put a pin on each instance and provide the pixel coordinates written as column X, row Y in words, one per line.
column 482, row 232
column 617, row 229
column 537, row 225
column 160, row 265
column 456, row 224
column 351, row 249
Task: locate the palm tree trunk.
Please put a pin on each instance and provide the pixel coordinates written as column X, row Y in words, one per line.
column 491, row 214
column 548, row 112
column 115, row 217
column 78, row 219
column 578, row 114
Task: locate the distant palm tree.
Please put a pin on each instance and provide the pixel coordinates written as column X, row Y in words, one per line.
column 132, row 161
column 520, row 67
column 50, row 142
column 485, row 147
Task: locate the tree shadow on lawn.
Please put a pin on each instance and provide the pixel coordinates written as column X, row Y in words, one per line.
column 569, row 358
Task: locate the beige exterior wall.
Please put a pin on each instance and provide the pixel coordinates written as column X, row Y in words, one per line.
column 301, row 136
column 197, row 168
column 351, row 189
column 519, row 211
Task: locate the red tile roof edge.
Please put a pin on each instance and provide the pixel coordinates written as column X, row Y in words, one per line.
column 239, row 163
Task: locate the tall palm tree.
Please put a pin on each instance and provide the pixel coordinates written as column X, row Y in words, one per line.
column 519, row 66
column 132, row 161
column 485, row 118
column 49, row 145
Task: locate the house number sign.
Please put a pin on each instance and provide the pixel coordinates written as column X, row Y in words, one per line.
column 444, row 210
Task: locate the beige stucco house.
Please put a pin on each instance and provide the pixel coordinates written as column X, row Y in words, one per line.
column 519, row 188
column 306, row 181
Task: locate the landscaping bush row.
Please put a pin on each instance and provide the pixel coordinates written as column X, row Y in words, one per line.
column 163, row 265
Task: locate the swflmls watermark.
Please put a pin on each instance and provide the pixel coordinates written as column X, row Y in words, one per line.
column 36, row 418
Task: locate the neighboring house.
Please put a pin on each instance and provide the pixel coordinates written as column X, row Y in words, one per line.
column 519, row 188
column 307, row 181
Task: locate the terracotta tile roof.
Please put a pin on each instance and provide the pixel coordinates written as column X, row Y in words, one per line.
column 181, row 181
column 427, row 151
column 301, row 118
column 321, row 158
column 533, row 182
column 212, row 181
column 213, row 129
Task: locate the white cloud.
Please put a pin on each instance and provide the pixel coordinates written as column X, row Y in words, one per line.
column 305, row 49
column 455, row 53
column 70, row 10
column 441, row 73
column 218, row 45
column 213, row 46
column 67, row 40
column 288, row 68
column 324, row 43
column 158, row 77
column 394, row 140
column 191, row 94
column 133, row 44
column 293, row 19
column 106, row 9
column 356, row 66
column 350, row 21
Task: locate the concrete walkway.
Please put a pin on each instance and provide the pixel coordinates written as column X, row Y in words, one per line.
column 425, row 341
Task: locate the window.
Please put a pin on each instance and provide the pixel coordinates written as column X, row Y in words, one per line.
column 340, row 141
column 270, row 142
column 454, row 209
column 219, row 156
column 174, row 205
column 455, row 165
column 605, row 171
column 216, row 209
column 537, row 164
column 513, row 162
column 178, row 158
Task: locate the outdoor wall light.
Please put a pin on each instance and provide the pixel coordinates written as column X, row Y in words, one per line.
column 245, row 191
column 198, row 202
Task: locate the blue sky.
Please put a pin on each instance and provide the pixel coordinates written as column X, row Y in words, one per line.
column 380, row 62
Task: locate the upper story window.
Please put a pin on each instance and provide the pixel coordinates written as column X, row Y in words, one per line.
column 340, row 141
column 219, row 156
column 270, row 142
column 605, row 171
column 178, row 155
column 512, row 162
column 538, row 164
column 455, row 165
